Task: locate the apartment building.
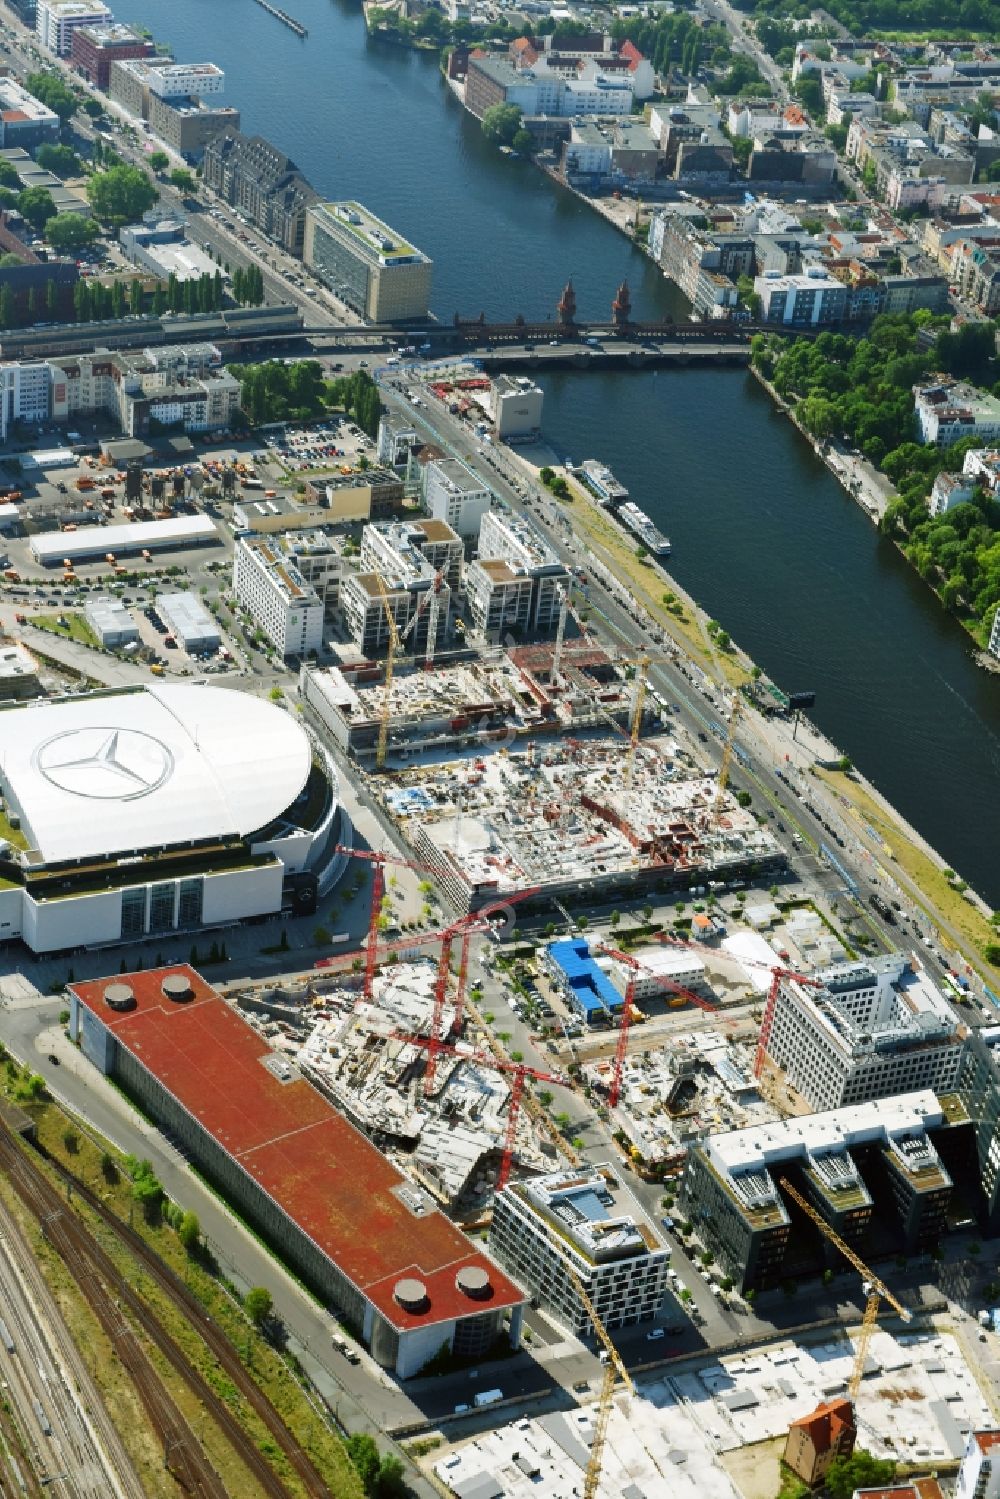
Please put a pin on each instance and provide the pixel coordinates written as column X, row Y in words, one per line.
column 993, row 645
column 873, row 1164
column 262, row 183
column 179, row 101
column 979, row 1474
column 805, row 300
column 277, row 596
column 24, row 120
column 95, row 48
column 975, row 273
column 517, row 580
column 705, row 266
column 515, row 404
column 951, row 410
column 591, row 86
column 584, row 1223
column 25, row 394
column 56, row 21
column 456, row 495
column 413, row 552
column 180, row 384
column 366, row 264
column 864, row 1030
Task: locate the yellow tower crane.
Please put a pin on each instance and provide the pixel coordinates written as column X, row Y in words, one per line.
column 727, row 756
column 877, row 1290
column 615, row 1369
column 390, row 661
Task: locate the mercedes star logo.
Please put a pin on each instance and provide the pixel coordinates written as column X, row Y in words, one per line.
column 104, row 763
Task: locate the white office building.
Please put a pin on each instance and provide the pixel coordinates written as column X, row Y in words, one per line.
column 805, row 299
column 111, row 622
column 396, row 436
column 281, row 602
column 25, row 394
column 189, row 621
column 979, row 1475
column 453, row 493
column 516, row 407
column 56, row 21
column 408, row 570
column 994, row 642
column 951, row 410
column 662, row 971
column 864, row 1030
column 587, row 1222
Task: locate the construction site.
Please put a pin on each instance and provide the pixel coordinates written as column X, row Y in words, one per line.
column 575, row 819
column 449, row 1113
column 716, row 1428
column 471, row 700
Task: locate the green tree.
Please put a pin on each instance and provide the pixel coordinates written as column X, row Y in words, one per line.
column 860, row 1471
column 182, row 179
column 524, row 142
column 390, row 1482
column 364, row 1456
column 8, row 308
column 159, row 161
column 51, row 299
column 121, row 195
column 36, row 206
column 51, row 89
column 501, row 122
column 62, row 160
column 70, row 231
column 8, row 174
column 189, row 1231
column 258, row 1304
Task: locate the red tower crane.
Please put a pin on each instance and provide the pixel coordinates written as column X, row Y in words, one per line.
column 635, row 967
column 519, row 1072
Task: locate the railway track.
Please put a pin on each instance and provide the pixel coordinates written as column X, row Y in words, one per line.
column 108, row 1293
column 213, row 1335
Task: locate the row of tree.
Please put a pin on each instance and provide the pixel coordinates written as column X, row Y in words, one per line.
column 357, row 394
column 248, row 285
column 914, row 17
column 861, row 391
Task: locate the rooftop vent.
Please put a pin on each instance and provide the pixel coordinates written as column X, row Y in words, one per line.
column 119, row 997
column 473, row 1281
column 177, row 987
column 411, row 1295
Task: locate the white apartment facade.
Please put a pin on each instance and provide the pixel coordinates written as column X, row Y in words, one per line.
column 586, row 1221
column 952, row 410
column 279, row 599
column 454, row 494
column 862, row 1031
column 186, row 80
column 56, row 20
column 979, row 1475
column 994, row 642
column 25, row 394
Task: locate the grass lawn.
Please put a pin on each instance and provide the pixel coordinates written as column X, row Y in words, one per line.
column 272, row 1373
column 76, row 627
column 925, row 874
column 14, row 836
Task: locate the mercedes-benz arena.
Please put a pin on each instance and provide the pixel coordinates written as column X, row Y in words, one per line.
column 363, row 1236
column 155, row 810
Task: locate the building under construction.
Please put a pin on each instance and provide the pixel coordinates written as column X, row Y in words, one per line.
column 497, row 697
column 575, row 819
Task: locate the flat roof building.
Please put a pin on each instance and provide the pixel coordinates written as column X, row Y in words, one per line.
column 359, row 1233
column 175, row 534
column 187, row 618
column 18, row 671
column 517, row 580
column 95, row 48
column 285, row 606
column 586, row 1222
column 584, row 980
column 56, row 20
column 111, row 622
column 24, row 120
column 366, row 264
column 453, row 493
column 873, row 1161
column 864, row 1030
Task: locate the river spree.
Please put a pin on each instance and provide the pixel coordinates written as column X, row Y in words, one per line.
column 763, row 536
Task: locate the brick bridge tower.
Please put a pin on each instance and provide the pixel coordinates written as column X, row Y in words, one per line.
column 621, row 307
column 567, row 305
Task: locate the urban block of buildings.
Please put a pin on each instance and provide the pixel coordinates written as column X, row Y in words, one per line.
column 180, row 102
column 24, row 120
column 56, row 21
column 95, row 48
column 864, row 1030
column 586, row 1224
column 950, row 410
column 366, row 264
column 365, row 1238
column 176, row 384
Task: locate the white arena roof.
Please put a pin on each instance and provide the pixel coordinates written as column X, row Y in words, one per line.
column 123, row 772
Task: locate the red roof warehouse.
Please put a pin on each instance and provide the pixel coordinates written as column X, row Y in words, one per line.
column 352, row 1225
